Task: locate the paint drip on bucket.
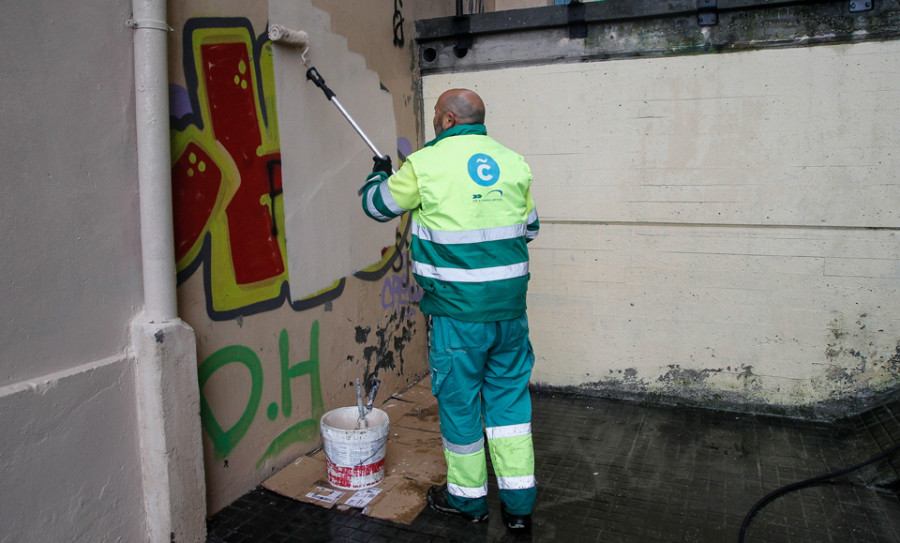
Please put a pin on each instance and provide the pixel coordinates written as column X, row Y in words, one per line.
column 355, row 456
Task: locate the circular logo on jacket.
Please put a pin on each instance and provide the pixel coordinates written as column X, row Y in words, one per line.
column 484, row 170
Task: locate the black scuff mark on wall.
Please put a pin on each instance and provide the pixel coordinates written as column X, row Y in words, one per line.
column 856, row 360
column 838, row 353
column 691, row 385
column 362, row 334
column 381, row 352
column 679, row 388
column 893, row 363
column 386, row 353
column 841, row 375
column 867, row 365
column 402, row 339
column 750, row 380
column 685, row 377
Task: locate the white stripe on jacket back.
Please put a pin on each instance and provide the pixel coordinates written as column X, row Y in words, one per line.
column 460, row 275
column 444, row 237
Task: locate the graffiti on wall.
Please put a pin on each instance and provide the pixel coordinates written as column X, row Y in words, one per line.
column 400, row 292
column 226, row 174
column 225, row 440
column 229, row 226
column 398, row 21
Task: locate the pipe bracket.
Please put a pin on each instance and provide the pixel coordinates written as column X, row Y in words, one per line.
column 149, row 23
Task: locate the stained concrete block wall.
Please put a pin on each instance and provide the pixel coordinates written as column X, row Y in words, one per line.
column 719, row 229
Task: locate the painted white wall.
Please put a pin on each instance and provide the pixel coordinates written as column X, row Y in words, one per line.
column 70, row 274
column 69, row 467
column 715, row 226
column 70, row 233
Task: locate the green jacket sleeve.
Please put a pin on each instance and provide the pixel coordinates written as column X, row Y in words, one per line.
column 384, row 198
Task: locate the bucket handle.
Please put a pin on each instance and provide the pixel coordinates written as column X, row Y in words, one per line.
column 382, row 442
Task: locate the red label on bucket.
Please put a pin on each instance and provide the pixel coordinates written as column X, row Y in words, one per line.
column 355, row 477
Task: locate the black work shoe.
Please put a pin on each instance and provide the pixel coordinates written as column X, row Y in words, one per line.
column 437, row 499
column 515, row 523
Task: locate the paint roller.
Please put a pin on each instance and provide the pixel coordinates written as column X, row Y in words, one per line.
column 299, row 39
column 286, row 36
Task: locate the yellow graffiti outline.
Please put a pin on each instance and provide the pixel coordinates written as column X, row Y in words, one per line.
column 226, row 293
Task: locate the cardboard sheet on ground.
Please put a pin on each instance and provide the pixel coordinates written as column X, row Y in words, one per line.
column 323, row 159
column 414, row 461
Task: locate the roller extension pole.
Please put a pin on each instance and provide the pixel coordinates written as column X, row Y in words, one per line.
column 300, row 39
column 313, row 75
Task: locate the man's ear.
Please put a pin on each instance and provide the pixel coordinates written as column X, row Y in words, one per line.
column 449, row 120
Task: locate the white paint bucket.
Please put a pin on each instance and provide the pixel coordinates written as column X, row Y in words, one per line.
column 355, row 456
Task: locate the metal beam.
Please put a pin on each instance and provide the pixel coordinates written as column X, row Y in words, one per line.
column 644, row 28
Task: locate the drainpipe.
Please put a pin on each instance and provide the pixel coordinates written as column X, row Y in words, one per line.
column 164, row 346
column 154, row 169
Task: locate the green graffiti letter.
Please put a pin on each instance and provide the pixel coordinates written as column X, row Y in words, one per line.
column 225, row 440
column 306, row 429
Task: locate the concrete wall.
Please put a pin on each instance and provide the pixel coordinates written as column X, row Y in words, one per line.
column 716, row 229
column 70, row 274
column 270, row 366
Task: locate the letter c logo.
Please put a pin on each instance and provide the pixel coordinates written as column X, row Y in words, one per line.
column 484, row 170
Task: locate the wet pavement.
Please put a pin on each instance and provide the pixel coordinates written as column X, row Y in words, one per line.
column 610, row 471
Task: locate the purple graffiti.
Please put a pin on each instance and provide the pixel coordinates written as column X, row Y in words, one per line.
column 400, row 290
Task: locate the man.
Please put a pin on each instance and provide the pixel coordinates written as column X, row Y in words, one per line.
column 472, row 216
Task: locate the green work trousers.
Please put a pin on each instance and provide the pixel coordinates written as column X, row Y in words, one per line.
column 479, row 375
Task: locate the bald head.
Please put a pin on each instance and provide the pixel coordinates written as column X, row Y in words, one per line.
column 457, row 106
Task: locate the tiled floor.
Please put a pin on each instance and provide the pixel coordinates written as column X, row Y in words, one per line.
column 614, row 471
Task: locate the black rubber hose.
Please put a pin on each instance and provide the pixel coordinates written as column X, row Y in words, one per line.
column 808, row 482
